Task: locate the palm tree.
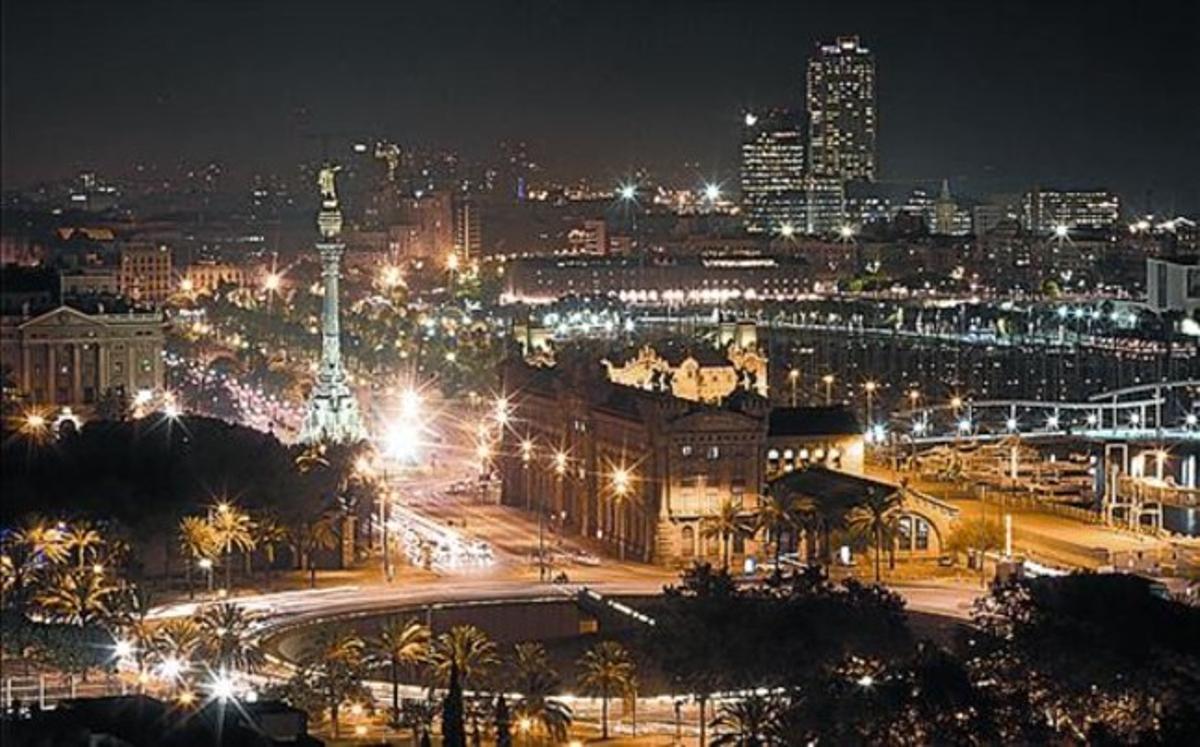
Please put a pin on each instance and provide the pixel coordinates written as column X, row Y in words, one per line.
column 337, row 665
column 726, row 524
column 197, row 541
column 746, row 722
column 229, row 641
column 233, row 529
column 401, row 644
column 269, row 534
column 82, row 539
column 605, row 670
column 177, row 638
column 44, row 537
column 873, row 518
column 76, row 597
column 536, row 680
column 470, row 649
column 310, row 537
column 779, row 515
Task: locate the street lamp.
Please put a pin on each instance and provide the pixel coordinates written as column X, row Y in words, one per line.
column 621, row 480
column 870, row 388
column 206, row 565
column 828, row 379
column 794, row 378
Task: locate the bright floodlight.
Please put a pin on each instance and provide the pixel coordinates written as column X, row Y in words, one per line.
column 271, row 282
column 1011, row 424
column 170, row 668
column 1061, row 231
column 846, row 232
column 123, row 649
column 1052, row 422
column 712, row 192
column 1134, row 418
column 751, row 119
column 620, row 480
column 221, row 687
column 1092, row 419
column 1190, row 420
column 964, row 425
column 400, row 440
column 171, row 410
column 866, row 680
column 956, row 402
column 627, row 192
column 410, row 403
column 787, row 230
column 918, row 427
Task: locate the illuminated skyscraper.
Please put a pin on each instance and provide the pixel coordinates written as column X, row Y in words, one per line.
column 772, row 173
column 1043, row 211
column 841, row 111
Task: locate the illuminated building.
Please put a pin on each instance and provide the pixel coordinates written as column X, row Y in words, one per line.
column 1173, row 284
column 591, row 237
column 1044, row 211
column 841, row 111
column 678, row 460
column 468, row 227
column 772, row 173
column 206, row 276
column 425, row 228
column 69, row 357
column 680, row 280
column 145, row 273
column 824, row 205
column 700, row 374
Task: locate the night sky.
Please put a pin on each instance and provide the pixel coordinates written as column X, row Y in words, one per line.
column 994, row 95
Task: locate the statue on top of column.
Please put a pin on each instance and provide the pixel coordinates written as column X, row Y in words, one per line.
column 325, row 179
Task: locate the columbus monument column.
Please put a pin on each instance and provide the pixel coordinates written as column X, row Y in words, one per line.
column 332, row 410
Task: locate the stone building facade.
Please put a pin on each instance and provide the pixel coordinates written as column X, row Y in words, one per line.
column 639, row 471
column 66, row 357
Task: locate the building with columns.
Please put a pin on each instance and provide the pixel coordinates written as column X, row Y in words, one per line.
column 70, row 357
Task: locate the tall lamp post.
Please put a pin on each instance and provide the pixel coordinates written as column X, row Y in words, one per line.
column 870, row 388
column 621, row 479
column 828, row 379
column 560, row 472
column 794, row 379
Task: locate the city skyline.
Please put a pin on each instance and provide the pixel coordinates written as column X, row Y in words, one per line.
column 659, row 88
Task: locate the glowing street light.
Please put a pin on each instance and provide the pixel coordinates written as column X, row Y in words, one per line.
column 712, row 192
column 964, row 425
column 1052, row 423
column 793, row 379
column 1011, row 424
column 845, row 232
column 222, row 687
column 560, row 463
column 751, row 119
column 170, row 669
column 122, row 649
column 1189, row 420
column 627, row 192
column 272, row 282
column 1061, row 231
column 828, row 379
column 787, row 230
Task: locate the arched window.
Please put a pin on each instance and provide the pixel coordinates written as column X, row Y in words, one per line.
column 687, row 542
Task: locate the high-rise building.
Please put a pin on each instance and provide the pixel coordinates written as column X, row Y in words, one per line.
column 145, row 273
column 841, row 111
column 425, row 229
column 772, row 173
column 824, row 205
column 1045, row 211
column 468, row 227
